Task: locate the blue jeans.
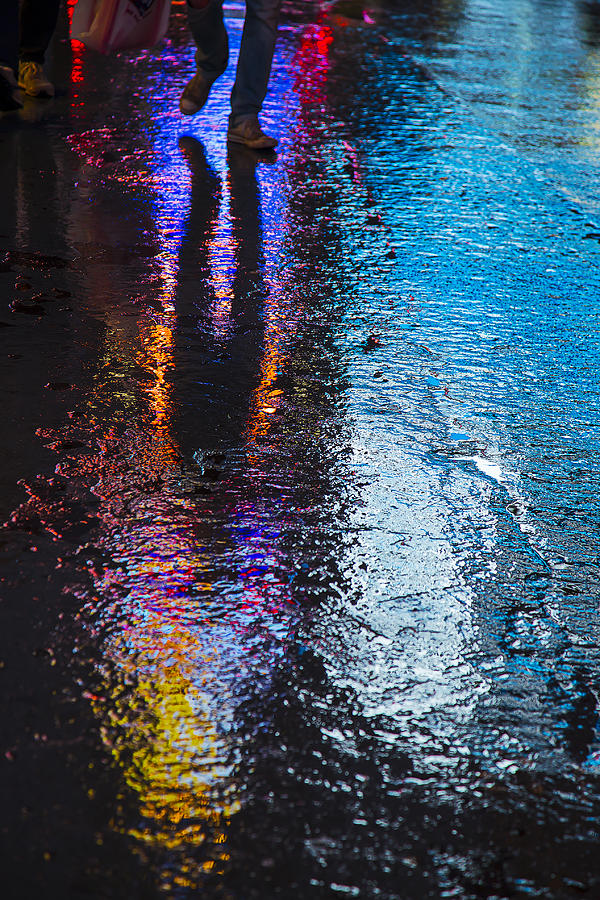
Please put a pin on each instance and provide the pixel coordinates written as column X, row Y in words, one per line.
column 256, row 51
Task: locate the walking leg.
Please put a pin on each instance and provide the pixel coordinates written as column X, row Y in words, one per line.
column 210, row 36
column 256, row 56
column 38, row 22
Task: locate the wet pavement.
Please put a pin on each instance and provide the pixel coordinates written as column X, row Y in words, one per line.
column 301, row 466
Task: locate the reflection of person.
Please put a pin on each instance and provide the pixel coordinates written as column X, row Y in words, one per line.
column 215, row 408
column 253, row 69
column 37, row 24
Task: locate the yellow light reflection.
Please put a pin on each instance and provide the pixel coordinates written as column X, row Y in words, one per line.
column 174, row 761
column 156, row 358
column 159, row 721
column 264, row 399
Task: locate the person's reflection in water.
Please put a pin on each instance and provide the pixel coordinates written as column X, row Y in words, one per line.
column 187, row 639
column 173, row 671
column 220, row 302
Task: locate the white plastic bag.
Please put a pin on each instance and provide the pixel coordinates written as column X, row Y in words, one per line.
column 113, row 25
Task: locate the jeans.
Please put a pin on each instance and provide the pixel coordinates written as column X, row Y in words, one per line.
column 37, row 22
column 256, row 51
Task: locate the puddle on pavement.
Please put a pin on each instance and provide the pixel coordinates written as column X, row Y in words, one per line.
column 325, row 471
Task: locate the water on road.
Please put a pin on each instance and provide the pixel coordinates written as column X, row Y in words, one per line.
column 302, row 466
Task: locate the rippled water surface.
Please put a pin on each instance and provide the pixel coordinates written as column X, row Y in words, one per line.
column 301, row 483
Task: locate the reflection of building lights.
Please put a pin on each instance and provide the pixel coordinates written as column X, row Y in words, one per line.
column 77, row 49
column 166, row 698
column 173, row 760
column 261, row 409
column 159, row 725
column 312, row 62
column 158, row 720
column 156, row 358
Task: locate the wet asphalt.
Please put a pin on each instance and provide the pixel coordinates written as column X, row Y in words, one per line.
column 301, row 466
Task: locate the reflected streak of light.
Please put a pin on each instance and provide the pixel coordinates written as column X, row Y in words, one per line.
column 174, row 755
column 156, row 358
column 161, row 732
column 77, row 49
column 222, row 250
column 161, row 729
column 311, row 63
column 261, row 410
column 161, row 726
column 310, row 66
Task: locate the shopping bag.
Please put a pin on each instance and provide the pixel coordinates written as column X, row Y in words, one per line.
column 113, row 25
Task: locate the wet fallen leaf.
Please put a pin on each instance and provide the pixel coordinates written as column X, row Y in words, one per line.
column 145, row 250
column 372, row 343
column 71, row 444
column 34, row 260
column 30, row 307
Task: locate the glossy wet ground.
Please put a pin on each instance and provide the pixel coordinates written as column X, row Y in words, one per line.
column 301, row 467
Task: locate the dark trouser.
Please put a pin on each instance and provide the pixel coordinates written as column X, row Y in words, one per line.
column 256, row 50
column 37, row 22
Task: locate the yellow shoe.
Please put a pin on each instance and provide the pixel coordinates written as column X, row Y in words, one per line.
column 33, row 80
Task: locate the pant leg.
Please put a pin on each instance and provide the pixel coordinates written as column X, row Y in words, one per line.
column 38, row 22
column 210, row 36
column 256, row 57
column 9, row 32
